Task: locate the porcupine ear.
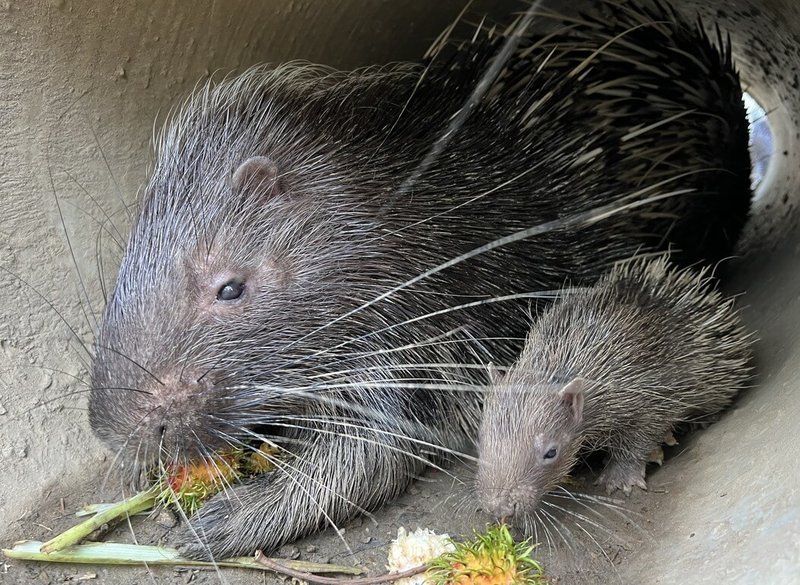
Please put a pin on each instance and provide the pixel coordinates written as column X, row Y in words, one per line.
column 572, row 396
column 257, row 173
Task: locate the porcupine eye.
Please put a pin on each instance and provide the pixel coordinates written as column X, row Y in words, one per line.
column 551, row 453
column 230, row 291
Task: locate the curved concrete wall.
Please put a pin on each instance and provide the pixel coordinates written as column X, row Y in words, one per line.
column 80, row 85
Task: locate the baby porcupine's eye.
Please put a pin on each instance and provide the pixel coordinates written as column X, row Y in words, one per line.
column 551, row 453
column 230, row 291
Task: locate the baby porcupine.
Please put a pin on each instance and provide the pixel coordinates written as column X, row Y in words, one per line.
column 612, row 367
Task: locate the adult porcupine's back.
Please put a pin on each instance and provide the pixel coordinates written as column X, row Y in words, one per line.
column 612, row 367
column 271, row 288
column 661, row 91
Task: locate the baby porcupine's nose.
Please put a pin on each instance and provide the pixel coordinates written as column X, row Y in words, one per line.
column 501, row 504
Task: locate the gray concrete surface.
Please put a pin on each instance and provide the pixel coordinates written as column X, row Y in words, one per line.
column 733, row 515
column 80, row 86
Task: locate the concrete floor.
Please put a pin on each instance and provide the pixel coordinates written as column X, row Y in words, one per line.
column 733, row 515
column 80, row 84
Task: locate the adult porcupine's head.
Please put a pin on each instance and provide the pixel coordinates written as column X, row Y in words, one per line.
column 241, row 254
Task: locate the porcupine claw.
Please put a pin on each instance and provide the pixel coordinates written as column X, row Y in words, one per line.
column 617, row 476
column 656, row 456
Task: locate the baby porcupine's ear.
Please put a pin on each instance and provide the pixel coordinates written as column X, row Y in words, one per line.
column 258, row 173
column 572, row 397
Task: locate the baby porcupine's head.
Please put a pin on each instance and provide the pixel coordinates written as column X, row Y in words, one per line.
column 529, row 439
column 234, row 264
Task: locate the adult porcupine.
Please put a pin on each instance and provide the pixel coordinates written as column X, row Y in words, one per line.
column 611, row 367
column 283, row 202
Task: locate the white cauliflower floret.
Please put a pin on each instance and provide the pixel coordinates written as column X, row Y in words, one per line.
column 411, row 549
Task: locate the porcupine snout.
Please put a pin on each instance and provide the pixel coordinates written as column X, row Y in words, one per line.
column 177, row 406
column 177, row 394
column 500, row 504
column 162, row 417
column 503, row 500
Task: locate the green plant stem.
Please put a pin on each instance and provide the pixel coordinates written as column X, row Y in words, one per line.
column 138, row 503
column 112, row 553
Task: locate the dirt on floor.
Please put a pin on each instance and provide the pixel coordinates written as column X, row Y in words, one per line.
column 584, row 545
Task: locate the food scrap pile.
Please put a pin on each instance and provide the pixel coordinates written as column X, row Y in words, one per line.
column 491, row 558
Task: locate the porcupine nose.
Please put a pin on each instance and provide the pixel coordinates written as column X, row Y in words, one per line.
column 177, row 392
column 501, row 504
column 177, row 405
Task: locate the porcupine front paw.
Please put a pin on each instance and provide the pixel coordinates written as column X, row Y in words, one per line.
column 619, row 475
column 247, row 518
column 214, row 531
column 317, row 489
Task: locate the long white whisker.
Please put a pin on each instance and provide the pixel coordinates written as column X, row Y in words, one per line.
column 423, row 460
